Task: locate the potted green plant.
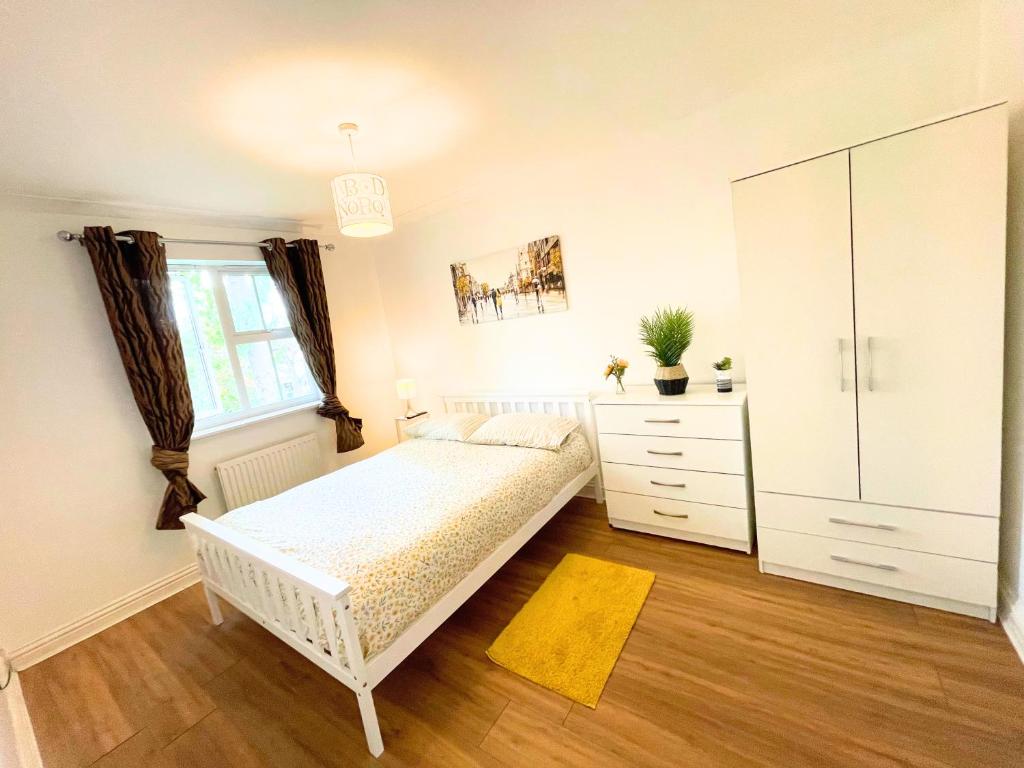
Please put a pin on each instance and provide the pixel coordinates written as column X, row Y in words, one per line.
column 723, row 374
column 668, row 333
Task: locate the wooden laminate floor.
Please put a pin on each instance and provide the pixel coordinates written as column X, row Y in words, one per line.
column 725, row 667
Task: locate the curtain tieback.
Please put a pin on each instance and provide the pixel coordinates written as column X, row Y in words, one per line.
column 181, row 496
column 331, row 407
column 168, row 461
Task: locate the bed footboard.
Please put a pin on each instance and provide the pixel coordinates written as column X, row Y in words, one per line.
column 305, row 608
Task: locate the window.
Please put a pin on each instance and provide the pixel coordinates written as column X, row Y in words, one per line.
column 241, row 356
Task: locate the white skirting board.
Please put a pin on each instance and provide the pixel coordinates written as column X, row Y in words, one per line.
column 1011, row 616
column 120, row 609
column 17, row 740
column 106, row 616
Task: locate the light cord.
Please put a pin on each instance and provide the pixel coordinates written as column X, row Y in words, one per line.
column 352, row 154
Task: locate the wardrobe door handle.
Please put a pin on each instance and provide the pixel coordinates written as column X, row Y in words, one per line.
column 668, row 485
column 661, row 421
column 668, row 514
column 879, row 526
column 664, row 453
column 842, row 366
column 851, row 561
column 871, row 367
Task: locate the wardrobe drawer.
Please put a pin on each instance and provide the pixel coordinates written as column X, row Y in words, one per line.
column 688, row 516
column 714, row 421
column 707, row 487
column 968, row 581
column 940, row 533
column 674, row 452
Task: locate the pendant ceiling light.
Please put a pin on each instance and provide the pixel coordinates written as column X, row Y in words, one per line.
column 360, row 199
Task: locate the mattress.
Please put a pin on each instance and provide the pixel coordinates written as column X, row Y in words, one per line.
column 405, row 526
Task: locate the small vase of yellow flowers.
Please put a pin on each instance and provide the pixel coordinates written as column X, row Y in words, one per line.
column 617, row 367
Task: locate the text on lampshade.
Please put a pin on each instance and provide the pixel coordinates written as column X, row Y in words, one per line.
column 355, row 206
column 372, row 185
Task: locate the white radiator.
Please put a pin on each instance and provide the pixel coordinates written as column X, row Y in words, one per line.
column 267, row 473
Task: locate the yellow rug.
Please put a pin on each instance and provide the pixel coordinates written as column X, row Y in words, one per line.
column 570, row 633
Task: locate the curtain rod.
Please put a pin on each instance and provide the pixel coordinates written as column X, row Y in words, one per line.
column 69, row 236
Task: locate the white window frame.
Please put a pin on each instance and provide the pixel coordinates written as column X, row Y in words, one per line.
column 232, row 338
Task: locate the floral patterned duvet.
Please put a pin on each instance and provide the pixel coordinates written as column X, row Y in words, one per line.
column 405, row 526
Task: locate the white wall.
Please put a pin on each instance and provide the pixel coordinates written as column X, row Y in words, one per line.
column 646, row 221
column 79, row 496
column 1002, row 42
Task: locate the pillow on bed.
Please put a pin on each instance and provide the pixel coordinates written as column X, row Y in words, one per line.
column 447, row 426
column 527, row 430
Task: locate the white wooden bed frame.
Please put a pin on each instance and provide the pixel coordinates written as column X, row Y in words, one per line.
column 227, row 558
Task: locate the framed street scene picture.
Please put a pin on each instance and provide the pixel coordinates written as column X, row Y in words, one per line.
column 516, row 282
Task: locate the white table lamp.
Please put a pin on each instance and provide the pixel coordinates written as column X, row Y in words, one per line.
column 406, row 389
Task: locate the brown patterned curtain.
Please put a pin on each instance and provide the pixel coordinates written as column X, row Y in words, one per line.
column 136, row 291
column 300, row 279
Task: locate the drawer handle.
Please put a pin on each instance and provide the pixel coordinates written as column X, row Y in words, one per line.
column 879, row 526
column 664, row 453
column 668, row 485
column 661, row 421
column 668, row 514
column 851, row 561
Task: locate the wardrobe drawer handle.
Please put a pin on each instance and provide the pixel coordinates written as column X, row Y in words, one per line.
column 661, row 421
column 668, row 514
column 851, row 561
column 668, row 485
column 664, row 453
column 879, row 526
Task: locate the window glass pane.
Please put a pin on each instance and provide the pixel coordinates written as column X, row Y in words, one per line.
column 203, row 401
column 245, row 308
column 274, row 314
column 267, row 373
column 258, row 373
column 292, row 372
column 199, row 285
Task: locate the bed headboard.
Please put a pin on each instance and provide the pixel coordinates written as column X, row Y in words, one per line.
column 574, row 405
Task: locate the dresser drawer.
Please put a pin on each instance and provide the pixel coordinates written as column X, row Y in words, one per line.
column 706, row 487
column 711, row 421
column 940, row 533
column 967, row 581
column 674, row 452
column 687, row 516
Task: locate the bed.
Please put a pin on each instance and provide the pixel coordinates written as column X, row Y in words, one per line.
column 356, row 568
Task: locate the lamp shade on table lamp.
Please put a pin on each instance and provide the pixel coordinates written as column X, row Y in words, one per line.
column 406, row 389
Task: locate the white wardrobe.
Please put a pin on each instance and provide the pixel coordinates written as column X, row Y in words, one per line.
column 872, row 286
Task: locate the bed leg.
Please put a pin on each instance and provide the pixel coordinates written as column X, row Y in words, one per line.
column 371, row 727
column 211, row 600
column 598, row 489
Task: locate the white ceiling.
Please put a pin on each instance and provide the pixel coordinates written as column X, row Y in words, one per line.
column 231, row 105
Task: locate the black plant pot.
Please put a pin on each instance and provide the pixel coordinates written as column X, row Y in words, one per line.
column 671, row 380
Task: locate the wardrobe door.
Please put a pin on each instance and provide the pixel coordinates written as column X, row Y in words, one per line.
column 793, row 245
column 929, row 225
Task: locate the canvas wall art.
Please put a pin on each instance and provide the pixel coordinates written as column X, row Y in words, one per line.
column 517, row 282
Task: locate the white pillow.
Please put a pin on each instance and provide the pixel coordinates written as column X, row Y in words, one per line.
column 447, row 426
column 528, row 430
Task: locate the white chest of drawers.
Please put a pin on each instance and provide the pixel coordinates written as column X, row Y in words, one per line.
column 678, row 466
